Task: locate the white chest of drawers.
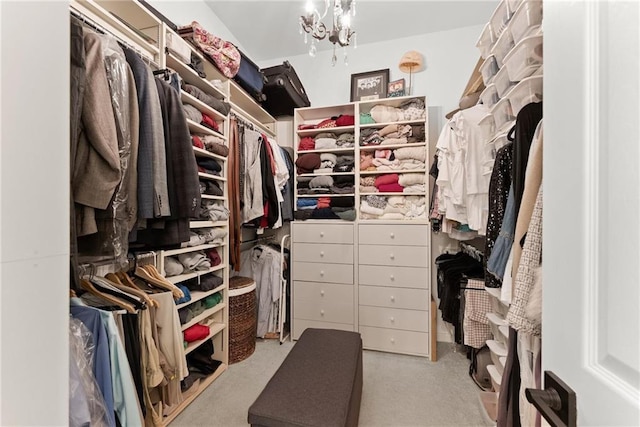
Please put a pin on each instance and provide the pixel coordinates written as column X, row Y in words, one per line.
column 323, row 290
column 393, row 288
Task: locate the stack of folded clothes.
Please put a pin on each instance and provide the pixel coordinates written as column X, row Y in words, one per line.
column 388, row 183
column 345, row 140
column 213, row 211
column 211, row 188
column 326, row 140
column 306, row 143
column 327, row 163
column 321, row 184
column 215, row 103
column 308, row 162
column 392, row 207
column 210, row 166
column 344, row 163
column 343, row 184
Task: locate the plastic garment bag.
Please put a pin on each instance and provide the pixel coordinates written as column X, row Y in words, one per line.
column 86, row 403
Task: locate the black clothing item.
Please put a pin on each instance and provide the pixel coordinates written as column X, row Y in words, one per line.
column 526, row 123
column 342, row 202
column 323, row 213
column 200, row 359
column 209, row 164
column 269, row 195
column 287, row 191
column 498, row 193
column 451, row 269
column 131, row 326
column 508, row 399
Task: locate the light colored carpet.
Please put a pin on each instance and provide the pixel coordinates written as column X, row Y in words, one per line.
column 398, row 390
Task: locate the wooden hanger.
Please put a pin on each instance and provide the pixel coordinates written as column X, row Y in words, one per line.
column 88, row 286
column 118, row 283
column 151, row 269
column 151, row 279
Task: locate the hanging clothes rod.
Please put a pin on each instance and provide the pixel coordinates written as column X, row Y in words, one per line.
column 250, row 123
column 91, row 23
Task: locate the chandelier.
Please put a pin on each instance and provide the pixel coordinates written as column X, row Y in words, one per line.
column 340, row 34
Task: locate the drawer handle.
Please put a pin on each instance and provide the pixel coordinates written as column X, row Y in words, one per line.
column 392, row 277
column 393, row 340
column 392, row 256
column 392, row 319
column 322, row 272
column 322, row 234
column 393, row 299
column 321, row 293
column 321, row 254
column 321, row 312
column 392, row 235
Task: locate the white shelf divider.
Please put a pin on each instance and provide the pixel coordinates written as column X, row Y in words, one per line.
column 182, row 277
column 208, row 312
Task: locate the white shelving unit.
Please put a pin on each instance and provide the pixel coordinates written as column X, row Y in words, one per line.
column 368, row 275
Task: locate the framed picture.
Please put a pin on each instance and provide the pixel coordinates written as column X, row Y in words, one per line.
column 369, row 85
column 396, row 88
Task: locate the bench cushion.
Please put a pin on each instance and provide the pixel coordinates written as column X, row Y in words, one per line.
column 318, row 384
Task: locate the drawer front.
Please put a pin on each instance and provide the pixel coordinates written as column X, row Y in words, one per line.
column 314, row 272
column 379, row 296
column 403, row 277
column 393, row 318
column 323, row 293
column 323, row 310
column 299, row 325
column 401, row 234
column 395, row 341
column 319, row 252
column 322, row 233
column 409, row 256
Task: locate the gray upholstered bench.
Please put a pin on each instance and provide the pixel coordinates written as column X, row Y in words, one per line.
column 318, row 384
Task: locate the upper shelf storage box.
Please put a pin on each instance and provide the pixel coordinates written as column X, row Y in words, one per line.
column 486, row 41
column 526, row 20
column 500, row 18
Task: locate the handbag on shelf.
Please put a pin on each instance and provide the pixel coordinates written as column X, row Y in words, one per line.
column 223, row 54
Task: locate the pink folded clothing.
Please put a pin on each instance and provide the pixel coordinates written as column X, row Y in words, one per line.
column 366, row 161
column 390, row 188
column 383, row 154
column 306, row 143
column 391, row 178
column 197, row 142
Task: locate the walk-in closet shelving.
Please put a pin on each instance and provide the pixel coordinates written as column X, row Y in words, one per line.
column 371, row 275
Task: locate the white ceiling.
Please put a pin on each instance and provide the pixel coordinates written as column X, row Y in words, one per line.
column 270, row 29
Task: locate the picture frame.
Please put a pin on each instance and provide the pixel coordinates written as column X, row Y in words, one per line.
column 369, row 85
column 396, row 88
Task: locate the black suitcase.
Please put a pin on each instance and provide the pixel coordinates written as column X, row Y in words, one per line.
column 251, row 78
column 284, row 90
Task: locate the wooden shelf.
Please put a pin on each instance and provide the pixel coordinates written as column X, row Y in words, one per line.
column 172, row 252
column 212, row 177
column 187, row 98
column 201, row 152
column 182, row 277
column 248, row 106
column 106, row 14
column 391, row 193
column 328, row 150
column 403, row 122
column 337, row 130
column 198, row 128
column 326, row 174
column 208, row 312
column 204, row 383
column 198, row 295
column 206, row 224
column 325, row 195
column 208, row 197
column 190, row 76
column 392, row 171
column 391, row 146
column 215, row 328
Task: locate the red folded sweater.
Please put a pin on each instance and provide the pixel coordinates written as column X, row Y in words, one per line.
column 391, row 178
column 196, row 332
column 307, row 143
column 390, row 188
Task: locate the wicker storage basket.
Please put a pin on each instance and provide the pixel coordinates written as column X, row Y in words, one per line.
column 243, row 318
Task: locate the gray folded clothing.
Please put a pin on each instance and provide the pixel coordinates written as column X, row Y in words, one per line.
column 192, row 113
column 344, row 160
column 345, row 139
column 193, row 261
column 321, row 181
column 172, row 267
column 211, row 101
column 326, row 135
column 328, row 157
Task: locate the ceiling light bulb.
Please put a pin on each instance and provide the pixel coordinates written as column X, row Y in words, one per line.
column 309, row 7
column 346, row 20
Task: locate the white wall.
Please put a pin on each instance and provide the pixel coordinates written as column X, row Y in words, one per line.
column 34, row 195
column 449, row 60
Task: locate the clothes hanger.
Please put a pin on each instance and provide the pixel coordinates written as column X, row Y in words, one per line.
column 151, row 279
column 117, row 282
column 151, row 269
column 106, row 286
column 88, row 286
